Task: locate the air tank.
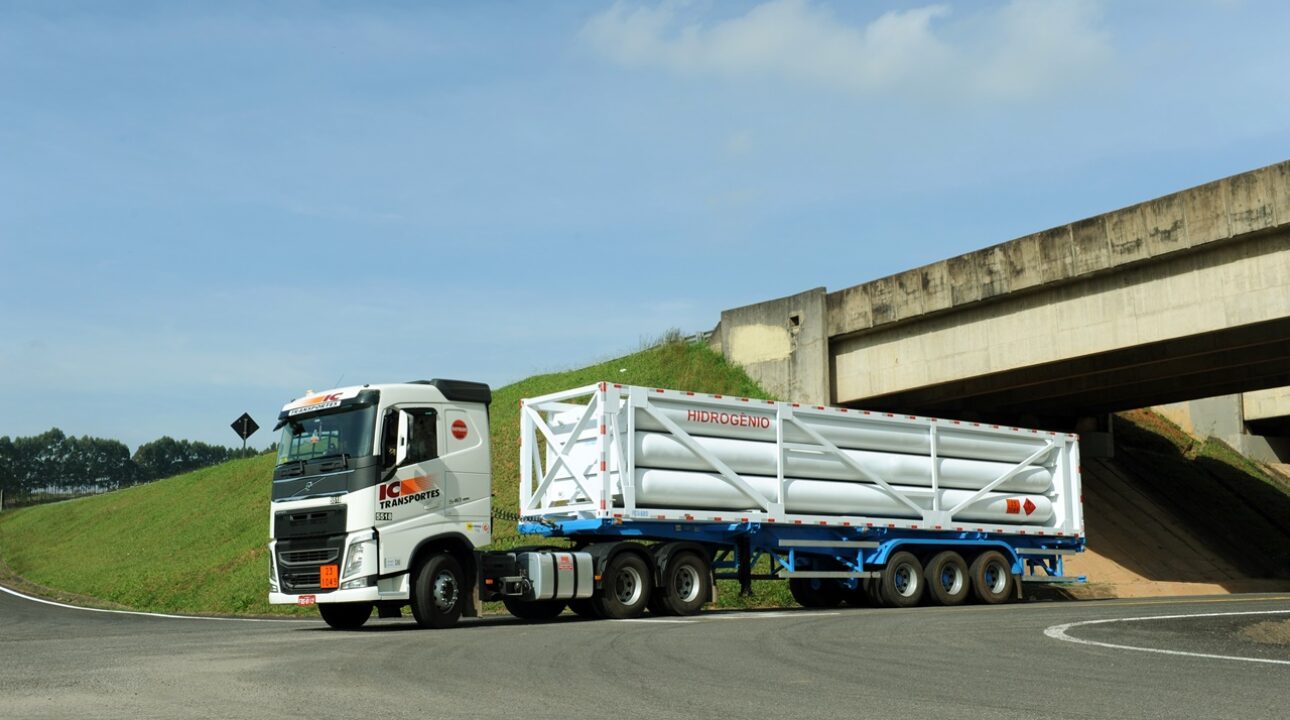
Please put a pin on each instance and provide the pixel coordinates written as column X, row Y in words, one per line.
column 656, row 450
column 709, row 491
column 852, row 430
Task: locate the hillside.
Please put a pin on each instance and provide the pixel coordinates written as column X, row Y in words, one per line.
column 1167, row 515
column 1172, row 515
column 196, row 542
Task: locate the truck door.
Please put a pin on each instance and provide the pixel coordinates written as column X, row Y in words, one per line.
column 410, row 451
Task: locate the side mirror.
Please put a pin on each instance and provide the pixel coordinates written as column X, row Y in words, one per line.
column 405, row 431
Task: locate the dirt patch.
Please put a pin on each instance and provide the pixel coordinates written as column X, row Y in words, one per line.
column 1269, row 632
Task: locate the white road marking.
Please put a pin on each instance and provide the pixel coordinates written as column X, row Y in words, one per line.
column 15, row 593
column 657, row 620
column 729, row 616
column 768, row 615
column 1058, row 632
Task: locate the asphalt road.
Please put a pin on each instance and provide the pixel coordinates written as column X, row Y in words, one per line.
column 968, row 662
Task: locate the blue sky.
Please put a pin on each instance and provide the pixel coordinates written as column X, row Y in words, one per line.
column 208, row 208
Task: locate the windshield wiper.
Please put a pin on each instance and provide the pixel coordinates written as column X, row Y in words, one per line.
column 291, row 469
column 337, row 461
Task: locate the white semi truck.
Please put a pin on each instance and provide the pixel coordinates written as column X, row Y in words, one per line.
column 382, row 498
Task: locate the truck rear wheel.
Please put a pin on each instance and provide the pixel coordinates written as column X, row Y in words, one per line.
column 345, row 616
column 533, row 609
column 902, row 580
column 626, row 588
column 685, row 585
column 947, row 579
column 438, row 592
column 816, row 592
column 991, row 578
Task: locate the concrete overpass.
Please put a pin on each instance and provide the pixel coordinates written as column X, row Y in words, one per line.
column 1172, row 300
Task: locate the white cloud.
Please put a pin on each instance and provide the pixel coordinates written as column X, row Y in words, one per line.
column 1043, row 45
column 1020, row 49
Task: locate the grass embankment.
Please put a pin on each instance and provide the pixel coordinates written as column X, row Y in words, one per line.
column 196, row 542
column 1235, row 506
column 191, row 543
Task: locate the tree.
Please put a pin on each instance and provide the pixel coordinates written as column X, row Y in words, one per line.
column 167, row 456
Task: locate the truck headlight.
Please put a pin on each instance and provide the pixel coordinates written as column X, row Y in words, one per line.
column 273, row 572
column 362, row 554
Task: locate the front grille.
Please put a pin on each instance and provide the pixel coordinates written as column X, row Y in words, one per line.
column 302, row 557
column 302, row 580
column 299, row 561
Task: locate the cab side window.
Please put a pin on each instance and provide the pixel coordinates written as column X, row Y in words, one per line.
column 390, row 439
column 422, row 441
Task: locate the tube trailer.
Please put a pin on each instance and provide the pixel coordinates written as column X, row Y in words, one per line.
column 382, row 499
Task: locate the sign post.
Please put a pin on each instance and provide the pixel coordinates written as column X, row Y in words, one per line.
column 245, row 427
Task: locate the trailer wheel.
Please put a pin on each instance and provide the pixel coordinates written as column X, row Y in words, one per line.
column 815, row 592
column 625, row 592
column 438, row 592
column 860, row 595
column 991, row 578
column 947, row 579
column 902, row 580
column 345, row 616
column 533, row 610
column 584, row 608
column 872, row 588
column 685, row 585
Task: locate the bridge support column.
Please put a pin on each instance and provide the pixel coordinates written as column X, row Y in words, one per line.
column 783, row 344
column 1262, row 437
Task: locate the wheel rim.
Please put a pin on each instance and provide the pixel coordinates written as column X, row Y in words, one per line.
column 628, row 586
column 904, row 580
column 445, row 591
column 952, row 580
column 686, row 585
column 995, row 578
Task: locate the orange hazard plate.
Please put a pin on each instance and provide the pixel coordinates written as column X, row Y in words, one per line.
column 329, row 576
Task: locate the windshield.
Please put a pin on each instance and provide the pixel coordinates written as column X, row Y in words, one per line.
column 348, row 432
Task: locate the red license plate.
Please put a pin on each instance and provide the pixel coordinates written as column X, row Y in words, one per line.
column 307, row 600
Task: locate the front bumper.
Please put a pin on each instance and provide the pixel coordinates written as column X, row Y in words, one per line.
column 395, row 588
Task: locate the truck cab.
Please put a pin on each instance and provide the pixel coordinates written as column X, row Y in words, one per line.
column 379, row 489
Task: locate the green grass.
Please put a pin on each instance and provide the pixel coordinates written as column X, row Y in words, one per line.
column 197, row 542
column 192, row 543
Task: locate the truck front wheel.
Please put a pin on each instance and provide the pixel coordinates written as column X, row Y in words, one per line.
column 625, row 592
column 345, row 616
column 438, row 592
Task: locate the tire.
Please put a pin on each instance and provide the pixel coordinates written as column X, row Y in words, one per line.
column 438, row 592
column 948, row 582
column 686, row 587
column 534, row 609
column 873, row 590
column 860, row 596
column 584, row 608
column 345, row 616
column 902, row 580
column 816, row 592
column 626, row 588
column 992, row 581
